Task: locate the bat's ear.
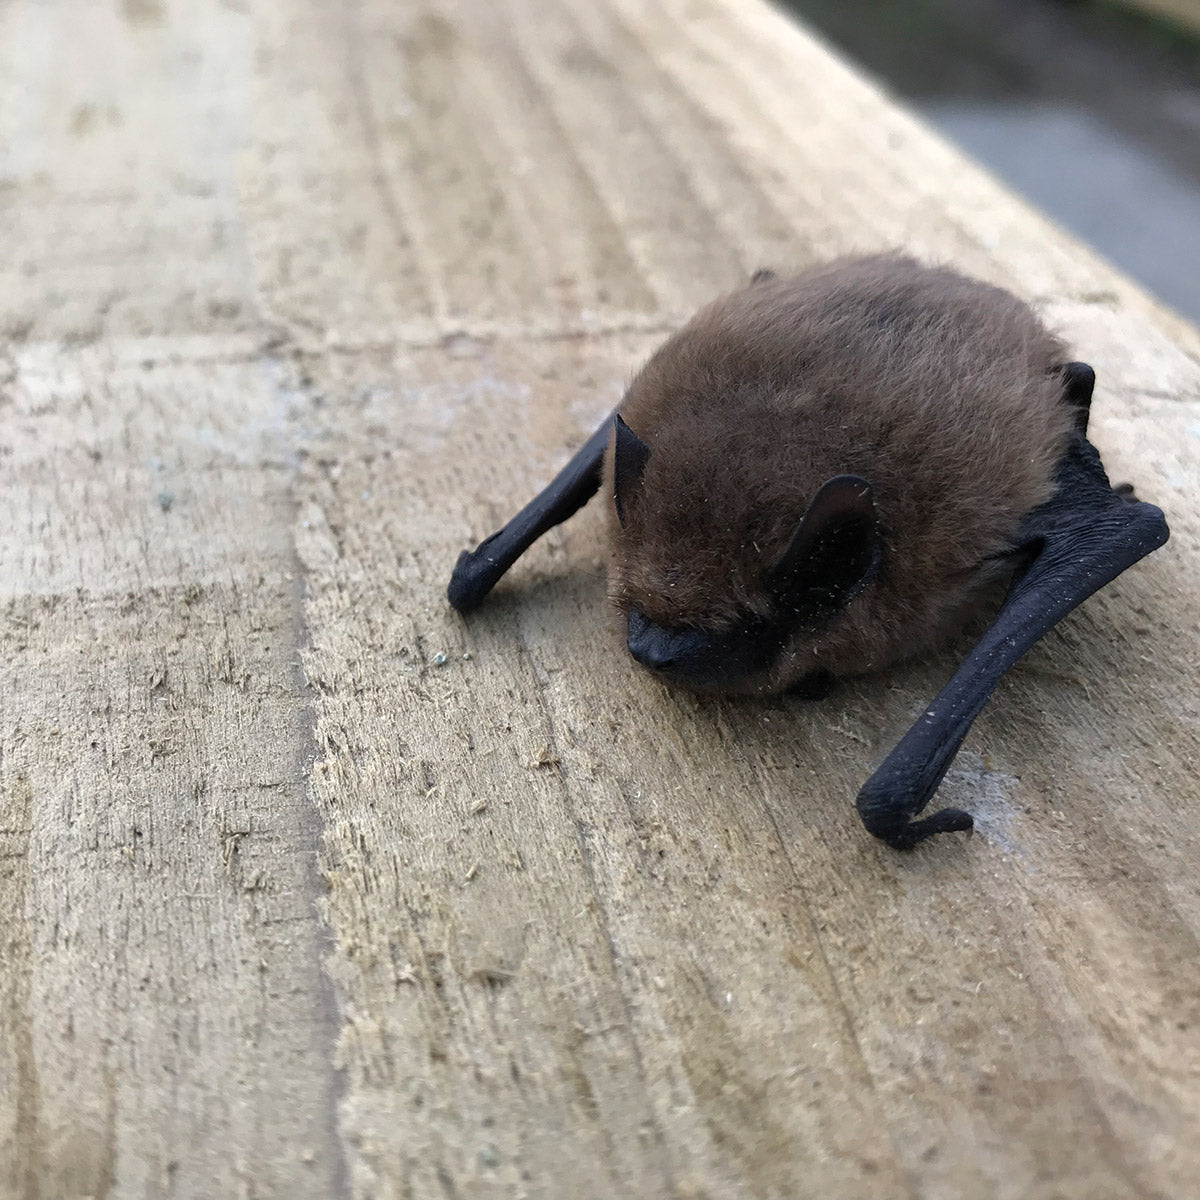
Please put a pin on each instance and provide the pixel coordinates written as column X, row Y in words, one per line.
column 630, row 456
column 833, row 552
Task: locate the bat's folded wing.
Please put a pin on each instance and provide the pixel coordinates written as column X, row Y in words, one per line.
column 1075, row 543
column 478, row 571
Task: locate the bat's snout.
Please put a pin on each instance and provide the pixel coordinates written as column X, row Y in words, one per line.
column 656, row 648
column 694, row 658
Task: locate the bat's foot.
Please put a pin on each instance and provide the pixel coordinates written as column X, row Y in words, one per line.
column 903, row 834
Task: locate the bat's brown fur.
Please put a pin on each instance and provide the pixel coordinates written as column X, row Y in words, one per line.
column 939, row 390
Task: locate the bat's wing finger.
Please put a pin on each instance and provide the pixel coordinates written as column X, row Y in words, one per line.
column 478, row 571
column 1079, row 540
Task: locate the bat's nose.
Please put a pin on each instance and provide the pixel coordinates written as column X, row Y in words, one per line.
column 650, row 644
column 652, row 657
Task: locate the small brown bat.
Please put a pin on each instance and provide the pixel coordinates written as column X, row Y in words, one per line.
column 817, row 476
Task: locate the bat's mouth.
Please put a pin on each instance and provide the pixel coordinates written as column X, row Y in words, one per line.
column 700, row 658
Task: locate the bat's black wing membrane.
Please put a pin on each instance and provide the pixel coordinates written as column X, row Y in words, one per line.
column 478, row 571
column 1075, row 543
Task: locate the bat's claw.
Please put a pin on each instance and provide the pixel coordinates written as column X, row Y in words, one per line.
column 904, row 834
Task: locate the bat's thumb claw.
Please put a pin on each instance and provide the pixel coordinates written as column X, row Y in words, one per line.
column 949, row 820
column 905, row 835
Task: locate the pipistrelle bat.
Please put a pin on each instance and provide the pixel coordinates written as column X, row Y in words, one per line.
column 818, row 475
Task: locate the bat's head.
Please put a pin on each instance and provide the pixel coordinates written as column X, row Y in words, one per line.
column 721, row 575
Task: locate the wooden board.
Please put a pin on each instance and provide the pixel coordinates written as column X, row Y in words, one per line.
column 310, row 888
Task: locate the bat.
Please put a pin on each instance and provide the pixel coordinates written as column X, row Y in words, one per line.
column 823, row 474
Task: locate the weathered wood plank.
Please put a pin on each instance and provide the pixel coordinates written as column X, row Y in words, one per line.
column 588, row 938
column 168, row 1020
column 166, row 1028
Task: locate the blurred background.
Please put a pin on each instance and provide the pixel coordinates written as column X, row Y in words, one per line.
column 1090, row 108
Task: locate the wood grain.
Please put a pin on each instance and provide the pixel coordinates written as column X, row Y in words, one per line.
column 310, row 887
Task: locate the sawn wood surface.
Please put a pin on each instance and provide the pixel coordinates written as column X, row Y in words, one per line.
column 310, row 887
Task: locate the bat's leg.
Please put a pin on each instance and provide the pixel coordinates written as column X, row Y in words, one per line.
column 478, row 571
column 1079, row 540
